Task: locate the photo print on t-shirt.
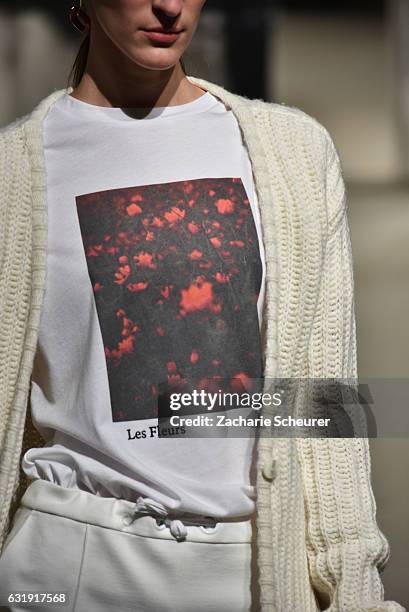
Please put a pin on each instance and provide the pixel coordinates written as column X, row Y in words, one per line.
column 176, row 272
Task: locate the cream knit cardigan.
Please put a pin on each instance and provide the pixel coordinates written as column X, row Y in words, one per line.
column 318, row 543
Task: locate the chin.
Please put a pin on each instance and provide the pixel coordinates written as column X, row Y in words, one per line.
column 157, row 63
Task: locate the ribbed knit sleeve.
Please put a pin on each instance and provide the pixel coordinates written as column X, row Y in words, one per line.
column 346, row 549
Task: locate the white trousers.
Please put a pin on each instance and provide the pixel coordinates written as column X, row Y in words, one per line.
column 90, row 548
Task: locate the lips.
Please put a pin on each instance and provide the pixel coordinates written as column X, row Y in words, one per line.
column 161, row 35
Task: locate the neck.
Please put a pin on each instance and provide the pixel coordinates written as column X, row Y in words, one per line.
column 112, row 79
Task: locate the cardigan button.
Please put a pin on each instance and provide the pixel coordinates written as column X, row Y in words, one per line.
column 269, row 470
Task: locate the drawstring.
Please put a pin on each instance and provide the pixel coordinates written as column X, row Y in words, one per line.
column 145, row 505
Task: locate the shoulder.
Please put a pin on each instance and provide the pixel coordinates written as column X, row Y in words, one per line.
column 303, row 149
column 281, row 116
column 11, row 135
column 293, row 115
column 14, row 126
column 293, row 125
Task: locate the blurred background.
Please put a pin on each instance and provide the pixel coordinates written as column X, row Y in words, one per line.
column 346, row 64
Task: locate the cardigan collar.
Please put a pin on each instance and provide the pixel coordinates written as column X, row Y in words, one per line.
column 245, row 110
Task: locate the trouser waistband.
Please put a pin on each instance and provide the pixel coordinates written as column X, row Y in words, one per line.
column 141, row 518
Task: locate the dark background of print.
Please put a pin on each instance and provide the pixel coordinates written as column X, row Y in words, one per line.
column 176, row 273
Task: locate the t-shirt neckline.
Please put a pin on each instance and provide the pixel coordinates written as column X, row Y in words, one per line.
column 200, row 104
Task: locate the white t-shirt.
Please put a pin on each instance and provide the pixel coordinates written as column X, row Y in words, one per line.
column 155, row 261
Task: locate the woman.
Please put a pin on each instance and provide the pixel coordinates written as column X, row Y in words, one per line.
column 157, row 228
